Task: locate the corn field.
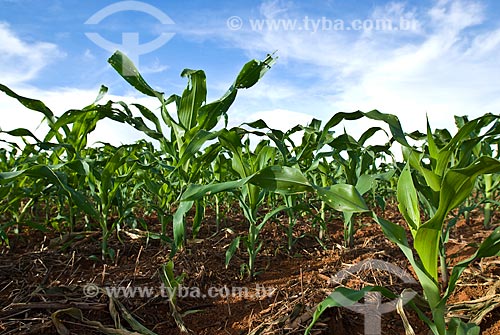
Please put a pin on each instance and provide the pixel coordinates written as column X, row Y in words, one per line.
column 199, row 203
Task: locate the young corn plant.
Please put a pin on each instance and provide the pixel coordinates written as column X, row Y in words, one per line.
column 192, row 127
column 292, row 155
column 256, row 178
column 490, row 183
column 250, row 197
column 35, row 177
column 455, row 187
column 444, row 152
column 171, row 284
column 452, row 185
column 105, row 183
column 157, row 188
column 359, row 168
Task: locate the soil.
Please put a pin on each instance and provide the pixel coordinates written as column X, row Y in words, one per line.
column 46, row 280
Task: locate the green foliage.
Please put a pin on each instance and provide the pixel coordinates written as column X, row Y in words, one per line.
column 193, row 162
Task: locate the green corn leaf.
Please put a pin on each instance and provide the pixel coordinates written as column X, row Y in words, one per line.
column 253, row 71
column 233, row 247
column 259, row 124
column 180, row 224
column 391, row 120
column 408, row 201
column 125, row 68
column 339, row 117
column 366, row 182
column 103, row 90
column 10, row 175
column 368, row 134
column 209, row 114
column 193, row 97
column 32, row 104
column 167, row 275
column 117, row 160
column 342, row 197
column 457, row 185
column 196, row 192
column 198, row 217
column 458, row 327
column 469, row 129
column 230, row 139
column 414, row 158
column 139, row 124
column 275, row 135
column 397, row 235
column 51, row 175
column 394, row 125
column 433, row 149
column 197, row 140
column 281, row 179
column 21, row 132
column 272, row 213
column 150, row 116
column 490, row 247
column 265, row 155
column 79, row 166
column 78, row 198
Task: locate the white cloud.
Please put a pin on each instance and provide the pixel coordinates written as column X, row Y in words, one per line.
column 456, row 15
column 21, row 61
column 271, row 91
column 447, row 74
column 271, row 9
column 448, row 66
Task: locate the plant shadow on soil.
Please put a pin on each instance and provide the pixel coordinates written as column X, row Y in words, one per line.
column 38, row 278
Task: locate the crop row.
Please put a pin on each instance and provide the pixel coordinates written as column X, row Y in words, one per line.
column 59, row 182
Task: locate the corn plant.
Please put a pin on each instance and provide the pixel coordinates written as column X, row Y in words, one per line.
column 445, row 152
column 256, row 178
column 310, row 157
column 171, row 284
column 197, row 163
column 192, row 127
column 452, row 186
column 359, row 169
column 490, row 183
column 293, row 155
column 244, row 164
column 105, row 184
column 455, row 188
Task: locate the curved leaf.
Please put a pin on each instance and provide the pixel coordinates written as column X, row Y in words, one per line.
column 342, row 197
column 281, row 179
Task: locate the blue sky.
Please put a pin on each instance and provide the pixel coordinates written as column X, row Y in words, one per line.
column 448, row 62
